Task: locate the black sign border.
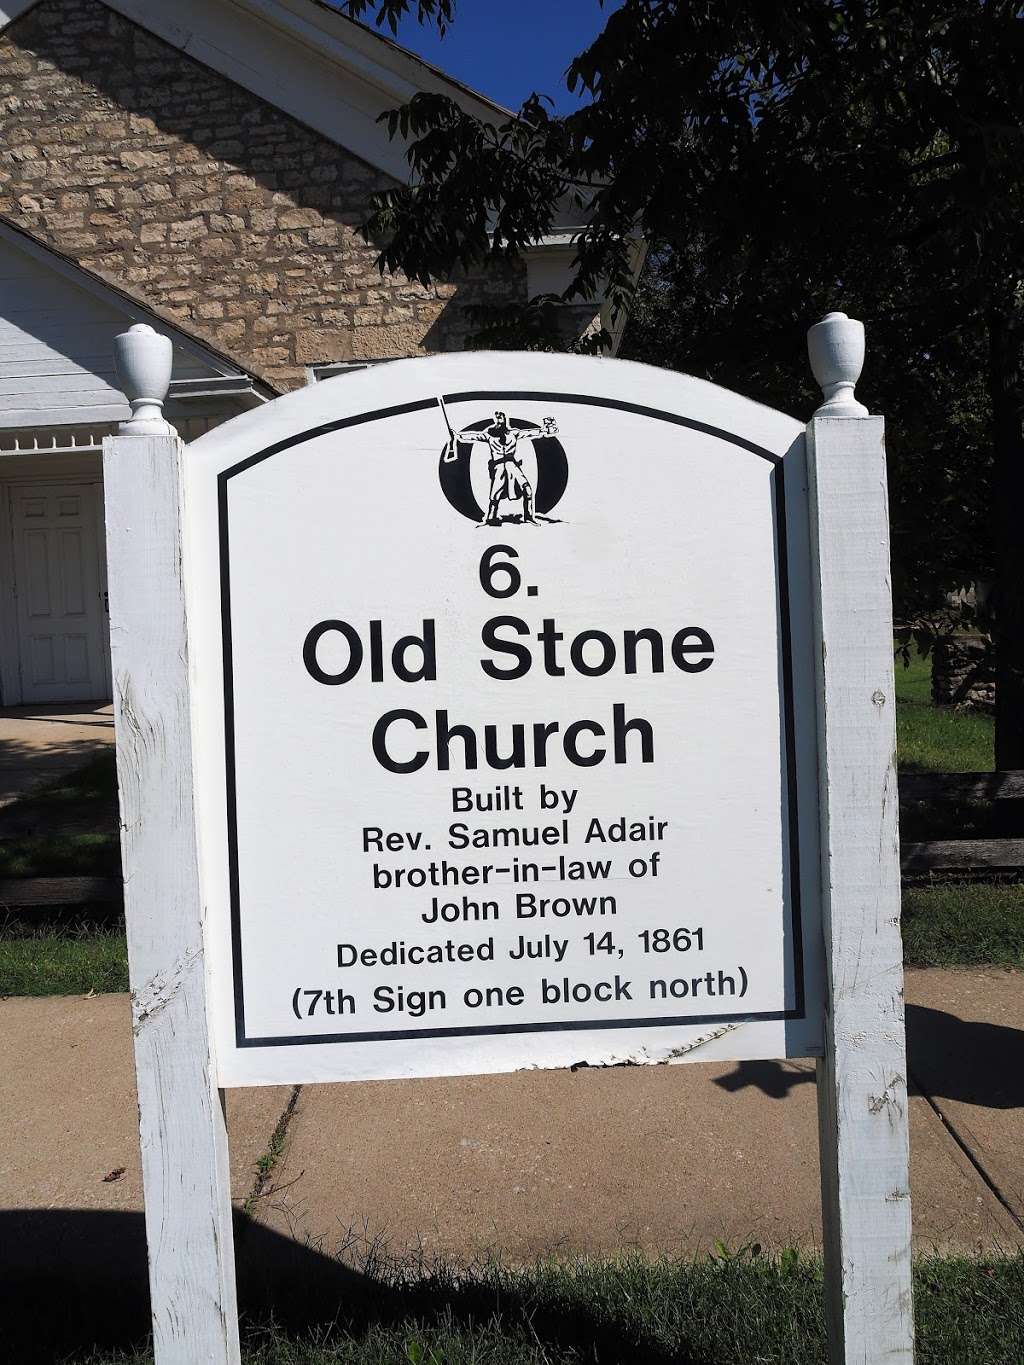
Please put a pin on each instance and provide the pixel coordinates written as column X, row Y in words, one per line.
column 597, row 1025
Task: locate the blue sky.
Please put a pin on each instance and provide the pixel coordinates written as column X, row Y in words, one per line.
column 508, row 48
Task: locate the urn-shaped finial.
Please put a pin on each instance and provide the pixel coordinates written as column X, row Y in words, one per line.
column 143, row 361
column 835, row 346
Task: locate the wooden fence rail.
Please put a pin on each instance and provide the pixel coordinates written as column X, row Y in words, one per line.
column 46, row 893
column 995, row 856
column 1004, row 786
column 1000, row 848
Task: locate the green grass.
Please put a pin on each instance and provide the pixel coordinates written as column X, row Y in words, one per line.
column 48, row 959
column 744, row 1310
column 67, row 828
column 938, row 739
column 963, row 926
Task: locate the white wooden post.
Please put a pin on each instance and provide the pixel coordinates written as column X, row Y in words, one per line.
column 862, row 1078
column 181, row 1115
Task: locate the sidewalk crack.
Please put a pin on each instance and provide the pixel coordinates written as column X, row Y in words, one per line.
column 964, row 1146
column 267, row 1163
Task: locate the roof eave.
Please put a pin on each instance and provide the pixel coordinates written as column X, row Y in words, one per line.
column 104, row 286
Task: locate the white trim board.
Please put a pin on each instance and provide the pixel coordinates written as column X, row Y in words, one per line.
column 325, row 70
column 329, row 72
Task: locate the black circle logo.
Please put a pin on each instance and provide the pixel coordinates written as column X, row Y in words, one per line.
column 513, row 494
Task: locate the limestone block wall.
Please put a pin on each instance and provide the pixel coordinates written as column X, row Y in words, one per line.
column 963, row 673
column 204, row 200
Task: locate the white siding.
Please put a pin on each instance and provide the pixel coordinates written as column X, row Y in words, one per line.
column 56, row 347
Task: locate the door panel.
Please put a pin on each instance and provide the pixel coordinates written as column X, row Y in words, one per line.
column 62, row 624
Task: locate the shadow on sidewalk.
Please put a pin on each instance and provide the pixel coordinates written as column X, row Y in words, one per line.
column 948, row 1058
column 74, row 1282
column 774, row 1079
column 960, row 1059
column 25, row 746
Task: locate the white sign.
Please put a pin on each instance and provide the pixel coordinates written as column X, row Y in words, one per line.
column 506, row 740
column 499, row 711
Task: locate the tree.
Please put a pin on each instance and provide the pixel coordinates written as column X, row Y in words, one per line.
column 940, row 462
column 783, row 159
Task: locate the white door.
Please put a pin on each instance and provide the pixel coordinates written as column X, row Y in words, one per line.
column 59, row 582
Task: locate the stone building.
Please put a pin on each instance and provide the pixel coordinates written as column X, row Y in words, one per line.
column 202, row 166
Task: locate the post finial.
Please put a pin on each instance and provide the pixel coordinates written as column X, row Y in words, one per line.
column 835, row 346
column 143, row 359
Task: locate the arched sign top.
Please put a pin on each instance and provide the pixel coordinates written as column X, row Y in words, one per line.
column 539, row 377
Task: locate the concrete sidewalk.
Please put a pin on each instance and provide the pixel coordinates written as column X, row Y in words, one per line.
column 41, row 743
column 664, row 1159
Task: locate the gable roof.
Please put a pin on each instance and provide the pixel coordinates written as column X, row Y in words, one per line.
column 57, row 327
column 291, row 54
column 333, row 74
